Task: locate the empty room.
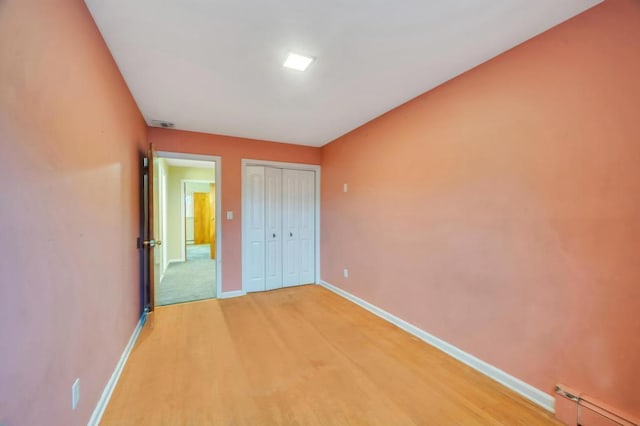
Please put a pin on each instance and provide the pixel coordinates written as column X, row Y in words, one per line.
column 319, row 213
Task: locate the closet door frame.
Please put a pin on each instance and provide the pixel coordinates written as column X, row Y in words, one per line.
column 281, row 165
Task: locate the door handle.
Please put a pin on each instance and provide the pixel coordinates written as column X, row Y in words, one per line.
column 274, row 235
column 151, row 243
column 291, row 234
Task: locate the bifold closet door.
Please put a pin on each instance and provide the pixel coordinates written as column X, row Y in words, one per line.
column 254, row 217
column 307, row 229
column 278, row 227
column 273, row 219
column 298, row 226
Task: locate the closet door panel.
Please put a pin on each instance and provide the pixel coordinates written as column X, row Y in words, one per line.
column 290, row 220
column 254, row 270
column 273, row 219
column 306, row 226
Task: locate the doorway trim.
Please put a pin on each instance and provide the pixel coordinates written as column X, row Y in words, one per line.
column 283, row 165
column 218, row 181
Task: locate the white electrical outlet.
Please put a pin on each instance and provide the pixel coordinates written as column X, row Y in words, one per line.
column 345, row 188
column 229, row 215
column 346, row 273
column 75, row 394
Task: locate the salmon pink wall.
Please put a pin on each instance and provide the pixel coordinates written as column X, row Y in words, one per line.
column 232, row 150
column 501, row 211
column 70, row 135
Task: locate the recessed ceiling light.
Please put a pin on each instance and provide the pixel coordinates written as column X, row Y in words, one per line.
column 297, row 62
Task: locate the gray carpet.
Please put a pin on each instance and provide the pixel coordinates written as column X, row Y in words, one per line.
column 187, row 281
column 199, row 251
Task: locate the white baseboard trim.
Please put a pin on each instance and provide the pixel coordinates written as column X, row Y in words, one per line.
column 111, row 384
column 230, row 294
column 170, row 261
column 533, row 394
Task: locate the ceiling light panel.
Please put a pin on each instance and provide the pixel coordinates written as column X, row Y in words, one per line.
column 297, row 62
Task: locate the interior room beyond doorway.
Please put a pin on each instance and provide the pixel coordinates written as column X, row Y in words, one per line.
column 187, row 265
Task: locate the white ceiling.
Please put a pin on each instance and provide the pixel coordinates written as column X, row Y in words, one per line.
column 215, row 66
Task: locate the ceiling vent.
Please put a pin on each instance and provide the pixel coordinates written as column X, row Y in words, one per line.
column 164, row 124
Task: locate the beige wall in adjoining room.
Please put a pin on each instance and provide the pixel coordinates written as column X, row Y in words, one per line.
column 159, row 201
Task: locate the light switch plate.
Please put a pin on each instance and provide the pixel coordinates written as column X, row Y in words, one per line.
column 229, row 215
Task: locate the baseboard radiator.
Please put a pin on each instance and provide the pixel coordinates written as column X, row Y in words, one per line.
column 589, row 411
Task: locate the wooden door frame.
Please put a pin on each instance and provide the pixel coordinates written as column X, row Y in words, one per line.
column 183, row 214
column 218, row 181
column 280, row 165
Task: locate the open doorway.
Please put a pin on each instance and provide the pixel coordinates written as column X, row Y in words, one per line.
column 186, row 196
column 198, row 220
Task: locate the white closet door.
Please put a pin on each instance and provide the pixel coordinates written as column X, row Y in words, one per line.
column 254, row 271
column 306, row 226
column 290, row 219
column 298, row 225
column 273, row 219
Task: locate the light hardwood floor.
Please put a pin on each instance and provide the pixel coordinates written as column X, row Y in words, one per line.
column 299, row 356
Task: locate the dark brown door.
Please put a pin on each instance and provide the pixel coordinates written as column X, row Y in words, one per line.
column 149, row 242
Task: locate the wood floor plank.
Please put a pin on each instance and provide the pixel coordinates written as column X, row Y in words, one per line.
column 299, row 356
